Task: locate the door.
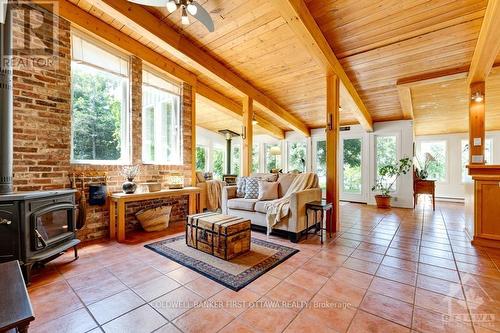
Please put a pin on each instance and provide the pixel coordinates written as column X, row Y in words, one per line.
column 351, row 169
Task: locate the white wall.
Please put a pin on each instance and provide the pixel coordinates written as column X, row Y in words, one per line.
column 453, row 187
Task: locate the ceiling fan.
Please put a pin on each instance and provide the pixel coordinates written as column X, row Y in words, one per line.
column 187, row 6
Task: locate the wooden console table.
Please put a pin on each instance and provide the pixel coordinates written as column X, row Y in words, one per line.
column 424, row 186
column 119, row 200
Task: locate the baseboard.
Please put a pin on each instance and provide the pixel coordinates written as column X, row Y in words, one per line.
column 447, row 199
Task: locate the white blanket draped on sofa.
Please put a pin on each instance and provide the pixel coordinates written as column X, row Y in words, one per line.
column 279, row 208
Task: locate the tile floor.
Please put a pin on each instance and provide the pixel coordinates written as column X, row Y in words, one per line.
column 388, row 271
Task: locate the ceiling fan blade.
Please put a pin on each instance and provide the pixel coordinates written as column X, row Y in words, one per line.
column 153, row 3
column 204, row 17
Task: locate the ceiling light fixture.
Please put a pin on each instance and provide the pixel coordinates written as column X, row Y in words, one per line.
column 171, row 6
column 185, row 18
column 191, row 7
column 477, row 97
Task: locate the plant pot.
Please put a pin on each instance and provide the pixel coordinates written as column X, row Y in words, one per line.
column 383, row 201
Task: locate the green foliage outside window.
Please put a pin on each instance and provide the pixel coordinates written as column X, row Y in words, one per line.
column 255, row 158
column 96, row 114
column 218, row 164
column 272, row 161
column 297, row 156
column 386, row 154
column 437, row 169
column 201, row 158
column 352, row 165
column 321, row 163
column 236, row 161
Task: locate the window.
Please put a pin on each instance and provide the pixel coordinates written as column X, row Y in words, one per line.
column 386, row 153
column 320, row 162
column 255, row 158
column 488, row 157
column 99, row 83
column 161, row 120
column 351, row 182
column 218, row 164
column 236, row 160
column 273, row 156
column 201, row 158
column 438, row 169
column 297, row 155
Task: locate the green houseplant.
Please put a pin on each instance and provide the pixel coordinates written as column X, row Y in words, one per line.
column 388, row 175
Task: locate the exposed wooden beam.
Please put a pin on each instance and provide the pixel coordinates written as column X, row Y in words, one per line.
column 247, row 136
column 445, row 75
column 118, row 39
column 332, row 144
column 406, row 102
column 158, row 32
column 300, row 20
column 488, row 44
column 236, row 110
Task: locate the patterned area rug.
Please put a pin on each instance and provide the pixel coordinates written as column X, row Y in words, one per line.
column 235, row 273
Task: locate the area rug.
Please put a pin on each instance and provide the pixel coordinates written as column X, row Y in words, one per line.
column 233, row 274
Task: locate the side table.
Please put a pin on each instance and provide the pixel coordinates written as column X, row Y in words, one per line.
column 323, row 207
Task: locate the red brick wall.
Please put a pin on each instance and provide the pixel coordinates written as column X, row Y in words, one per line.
column 42, row 139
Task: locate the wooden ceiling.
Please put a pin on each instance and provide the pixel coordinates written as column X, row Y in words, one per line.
column 442, row 107
column 377, row 42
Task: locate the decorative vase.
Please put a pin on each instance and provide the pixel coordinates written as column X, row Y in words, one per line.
column 423, row 174
column 383, row 201
column 129, row 186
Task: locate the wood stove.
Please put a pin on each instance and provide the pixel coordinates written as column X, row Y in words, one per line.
column 36, row 227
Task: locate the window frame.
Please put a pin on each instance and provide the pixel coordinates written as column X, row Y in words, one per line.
column 288, row 144
column 447, row 156
column 157, row 111
column 125, row 138
column 397, row 136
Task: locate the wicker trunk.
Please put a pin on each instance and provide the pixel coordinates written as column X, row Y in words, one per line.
column 219, row 235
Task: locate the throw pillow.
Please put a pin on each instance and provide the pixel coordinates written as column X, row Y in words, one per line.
column 240, row 186
column 285, row 180
column 268, row 190
column 252, row 188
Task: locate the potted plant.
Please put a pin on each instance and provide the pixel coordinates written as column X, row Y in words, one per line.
column 423, row 172
column 388, row 175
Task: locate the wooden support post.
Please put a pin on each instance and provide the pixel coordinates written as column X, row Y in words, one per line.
column 476, row 123
column 193, row 135
column 247, row 136
column 332, row 143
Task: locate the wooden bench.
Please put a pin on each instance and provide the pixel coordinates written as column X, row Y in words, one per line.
column 15, row 306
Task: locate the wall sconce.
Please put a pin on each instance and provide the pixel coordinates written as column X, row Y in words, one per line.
column 329, row 125
column 477, row 97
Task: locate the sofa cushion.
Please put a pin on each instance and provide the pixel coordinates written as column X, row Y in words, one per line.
column 260, row 206
column 242, row 204
column 241, row 185
column 251, row 188
column 285, row 180
column 200, row 178
column 268, row 190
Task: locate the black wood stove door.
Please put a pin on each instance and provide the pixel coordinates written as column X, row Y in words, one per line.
column 52, row 225
column 9, row 232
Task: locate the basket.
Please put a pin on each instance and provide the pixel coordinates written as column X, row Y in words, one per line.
column 154, row 219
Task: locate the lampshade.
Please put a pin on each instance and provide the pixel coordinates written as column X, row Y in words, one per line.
column 275, row 150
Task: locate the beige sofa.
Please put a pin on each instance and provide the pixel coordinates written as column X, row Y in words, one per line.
column 255, row 210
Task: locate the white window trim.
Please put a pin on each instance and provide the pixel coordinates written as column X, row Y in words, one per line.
column 397, row 135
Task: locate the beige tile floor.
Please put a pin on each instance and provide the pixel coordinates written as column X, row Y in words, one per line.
column 387, row 271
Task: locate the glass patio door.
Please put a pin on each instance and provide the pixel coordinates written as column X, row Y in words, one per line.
column 351, row 169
